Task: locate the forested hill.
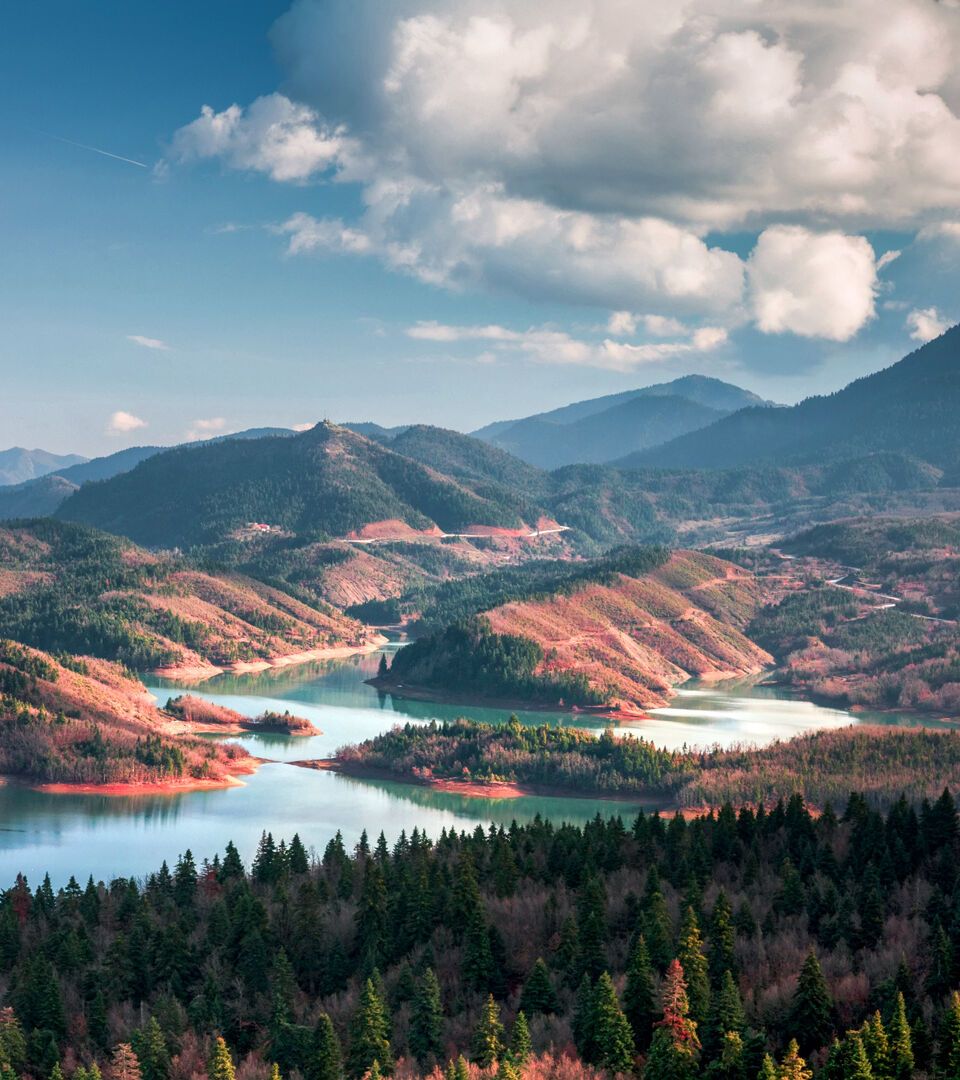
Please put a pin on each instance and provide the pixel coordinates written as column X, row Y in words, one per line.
column 326, row 481
column 911, row 407
column 69, row 588
column 619, row 637
column 758, row 945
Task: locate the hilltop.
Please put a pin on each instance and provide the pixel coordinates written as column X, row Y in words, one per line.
column 18, row 465
column 70, row 588
column 327, row 482
column 910, row 408
column 604, row 428
column 615, row 637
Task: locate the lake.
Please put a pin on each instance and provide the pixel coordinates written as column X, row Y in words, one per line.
column 108, row 835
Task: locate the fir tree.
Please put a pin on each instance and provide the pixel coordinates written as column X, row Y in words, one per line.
column 152, row 1052
column 582, row 1022
column 612, row 1036
column 901, row 1041
column 694, row 964
column 722, row 938
column 949, row 1049
column 876, row 1046
column 520, row 1045
column 457, row 1070
column 487, row 1045
column 811, row 1013
column 639, row 999
column 369, row 1034
column 325, row 1062
column 220, row 1066
column 675, row 1048
column 426, row 1021
column 848, row 1060
column 539, row 995
column 730, row 1065
column 656, row 923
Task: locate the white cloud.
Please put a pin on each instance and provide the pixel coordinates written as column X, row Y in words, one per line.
column 204, row 429
column 305, row 427
column 550, row 346
column 887, row 258
column 812, row 284
column 925, row 324
column 121, row 423
column 582, row 153
column 622, row 324
column 148, row 342
column 276, row 136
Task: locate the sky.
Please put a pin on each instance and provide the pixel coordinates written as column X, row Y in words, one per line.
column 217, row 216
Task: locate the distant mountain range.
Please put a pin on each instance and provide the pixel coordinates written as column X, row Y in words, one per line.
column 605, row 428
column 40, row 495
column 911, row 408
column 18, row 465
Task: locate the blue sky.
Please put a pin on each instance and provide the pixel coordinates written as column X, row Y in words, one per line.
column 426, row 212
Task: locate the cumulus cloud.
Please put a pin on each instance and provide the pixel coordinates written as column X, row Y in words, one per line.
column 584, row 153
column 812, row 284
column 121, row 423
column 925, row 324
column 275, row 135
column 148, row 342
column 204, row 429
column 550, row 346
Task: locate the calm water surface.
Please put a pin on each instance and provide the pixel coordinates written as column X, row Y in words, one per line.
column 107, row 836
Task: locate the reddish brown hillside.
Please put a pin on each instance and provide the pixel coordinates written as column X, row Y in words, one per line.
column 635, row 638
column 85, row 722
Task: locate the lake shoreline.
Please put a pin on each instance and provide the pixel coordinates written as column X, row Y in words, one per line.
column 202, row 672
column 494, row 789
column 176, row 786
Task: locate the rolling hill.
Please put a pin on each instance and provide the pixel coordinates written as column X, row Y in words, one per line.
column 68, row 588
column 613, row 640
column 910, row 408
column 327, row 481
column 602, row 429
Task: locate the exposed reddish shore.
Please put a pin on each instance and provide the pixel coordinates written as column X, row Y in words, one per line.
column 494, row 789
column 199, row 672
column 152, row 787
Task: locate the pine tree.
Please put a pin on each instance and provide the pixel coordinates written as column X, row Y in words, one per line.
column 612, row 1035
column 731, row 1064
column 848, row 1060
column 949, row 1049
column 694, row 964
column 457, row 1070
column 639, row 999
column 811, row 1014
column 768, row 1069
column 382, row 668
column 675, row 1048
column 56, row 1073
column 152, row 1052
column 487, row 1046
column 426, row 1021
column 124, row 1064
column 726, row 1014
column 506, row 1070
column 220, row 1066
column 539, row 995
column 792, row 1065
column 275, row 1072
column 582, row 1022
column 326, row 1059
column 369, row 1034
column 13, row 1043
column 876, row 1045
column 656, row 923
column 901, row 1041
column 520, row 1045
column 722, row 939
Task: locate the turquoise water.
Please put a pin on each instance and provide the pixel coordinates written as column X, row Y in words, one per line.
column 106, row 836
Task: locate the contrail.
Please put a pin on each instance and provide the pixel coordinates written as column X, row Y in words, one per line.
column 95, row 149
